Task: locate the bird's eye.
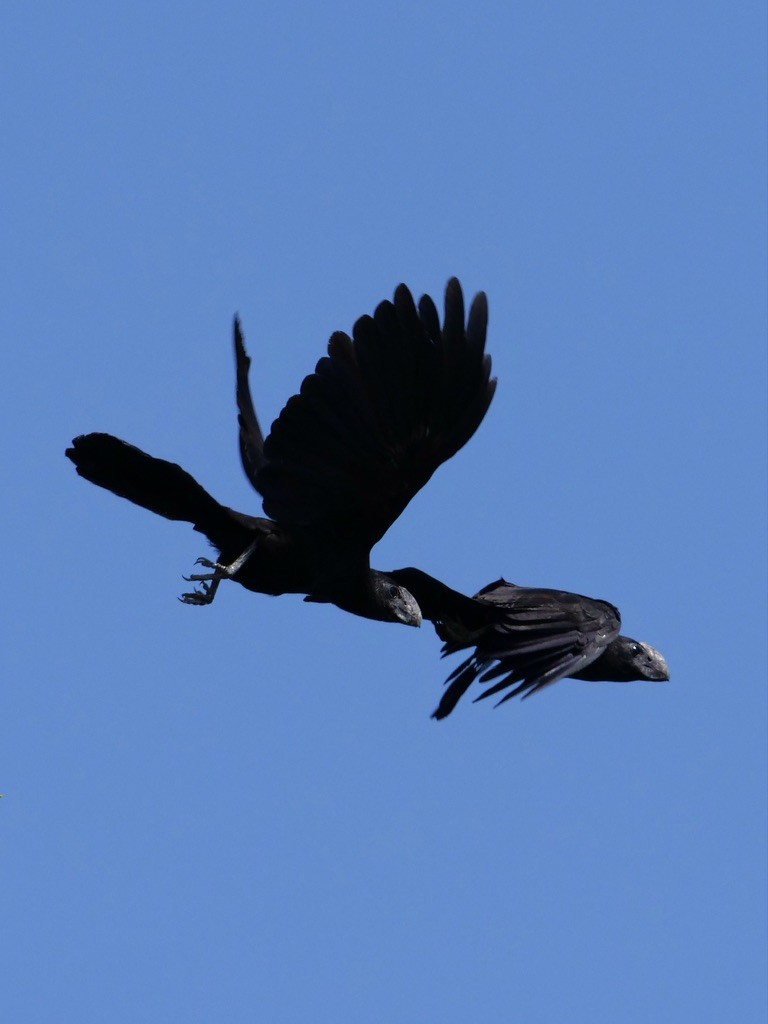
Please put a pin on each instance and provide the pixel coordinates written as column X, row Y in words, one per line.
column 393, row 591
column 634, row 649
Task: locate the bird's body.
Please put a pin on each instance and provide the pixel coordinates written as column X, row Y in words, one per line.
column 283, row 560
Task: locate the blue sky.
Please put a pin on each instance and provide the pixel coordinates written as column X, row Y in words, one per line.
column 245, row 812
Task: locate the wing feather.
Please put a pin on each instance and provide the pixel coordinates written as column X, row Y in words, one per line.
column 251, row 439
column 380, row 413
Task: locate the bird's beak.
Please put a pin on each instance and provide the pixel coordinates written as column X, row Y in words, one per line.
column 658, row 668
column 412, row 615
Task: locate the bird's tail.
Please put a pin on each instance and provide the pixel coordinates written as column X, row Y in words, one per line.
column 162, row 487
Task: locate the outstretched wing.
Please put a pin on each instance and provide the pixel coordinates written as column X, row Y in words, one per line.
column 542, row 636
column 377, row 417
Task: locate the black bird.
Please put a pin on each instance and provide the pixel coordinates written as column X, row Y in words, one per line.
column 345, row 456
column 527, row 638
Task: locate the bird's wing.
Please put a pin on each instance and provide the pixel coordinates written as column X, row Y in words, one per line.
column 377, row 417
column 542, row 636
column 251, row 438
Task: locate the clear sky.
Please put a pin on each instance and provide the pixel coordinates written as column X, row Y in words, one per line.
column 244, row 813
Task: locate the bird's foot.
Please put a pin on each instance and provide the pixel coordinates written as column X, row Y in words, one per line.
column 208, row 564
column 202, row 595
column 209, row 581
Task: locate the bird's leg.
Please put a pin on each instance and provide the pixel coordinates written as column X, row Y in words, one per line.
column 209, row 582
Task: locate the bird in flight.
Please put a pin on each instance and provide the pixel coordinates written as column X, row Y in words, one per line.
column 527, row 638
column 367, row 430
column 383, row 409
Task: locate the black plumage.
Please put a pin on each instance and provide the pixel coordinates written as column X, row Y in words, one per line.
column 383, row 409
column 526, row 638
column 380, row 413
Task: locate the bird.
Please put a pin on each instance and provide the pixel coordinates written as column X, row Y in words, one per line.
column 384, row 408
column 528, row 638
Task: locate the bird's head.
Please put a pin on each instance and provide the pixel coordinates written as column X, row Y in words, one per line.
column 395, row 603
column 630, row 659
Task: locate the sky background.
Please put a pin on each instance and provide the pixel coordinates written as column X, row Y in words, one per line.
column 244, row 812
